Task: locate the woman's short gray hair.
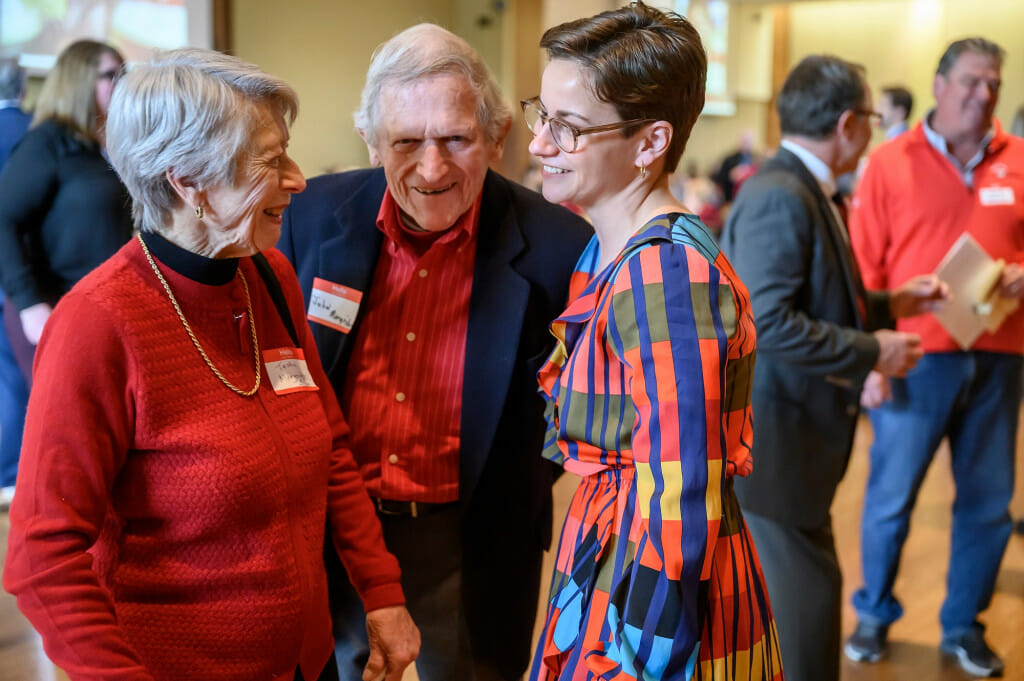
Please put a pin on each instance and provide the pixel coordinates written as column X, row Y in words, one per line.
column 428, row 50
column 191, row 110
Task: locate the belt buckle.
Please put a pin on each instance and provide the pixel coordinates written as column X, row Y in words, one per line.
column 383, row 507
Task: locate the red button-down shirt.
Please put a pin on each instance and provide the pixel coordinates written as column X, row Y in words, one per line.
column 403, row 388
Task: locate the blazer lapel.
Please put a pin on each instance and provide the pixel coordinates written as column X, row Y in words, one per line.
column 496, row 308
column 349, row 259
column 833, row 231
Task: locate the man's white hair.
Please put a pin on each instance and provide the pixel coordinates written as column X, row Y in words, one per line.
column 423, row 51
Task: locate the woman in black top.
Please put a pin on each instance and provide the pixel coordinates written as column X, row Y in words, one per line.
column 63, row 210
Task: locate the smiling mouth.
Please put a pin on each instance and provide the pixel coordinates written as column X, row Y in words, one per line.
column 431, row 192
column 274, row 212
column 551, row 170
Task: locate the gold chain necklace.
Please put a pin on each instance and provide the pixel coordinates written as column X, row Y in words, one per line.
column 195, row 341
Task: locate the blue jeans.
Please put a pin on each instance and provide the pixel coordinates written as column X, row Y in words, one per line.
column 973, row 398
column 13, row 401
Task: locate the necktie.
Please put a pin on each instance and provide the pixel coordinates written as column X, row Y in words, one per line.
column 858, row 282
column 844, row 212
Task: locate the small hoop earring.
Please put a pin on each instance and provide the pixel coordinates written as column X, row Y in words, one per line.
column 199, row 211
column 643, row 170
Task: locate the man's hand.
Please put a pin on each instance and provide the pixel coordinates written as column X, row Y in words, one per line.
column 898, row 352
column 920, row 294
column 876, row 391
column 33, row 319
column 1011, row 282
column 394, row 643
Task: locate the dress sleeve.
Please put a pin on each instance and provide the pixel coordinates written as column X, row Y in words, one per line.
column 27, row 185
column 357, row 537
column 672, row 315
column 77, row 433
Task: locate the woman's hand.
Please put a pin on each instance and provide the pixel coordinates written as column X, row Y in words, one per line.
column 394, row 643
column 33, row 319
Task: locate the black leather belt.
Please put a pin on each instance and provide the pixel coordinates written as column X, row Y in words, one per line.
column 414, row 509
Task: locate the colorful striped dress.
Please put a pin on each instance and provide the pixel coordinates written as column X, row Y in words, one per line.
column 648, row 399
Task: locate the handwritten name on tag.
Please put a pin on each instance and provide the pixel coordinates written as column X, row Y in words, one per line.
column 996, row 196
column 333, row 305
column 288, row 371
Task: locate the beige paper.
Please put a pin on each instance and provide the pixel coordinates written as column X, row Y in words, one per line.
column 975, row 306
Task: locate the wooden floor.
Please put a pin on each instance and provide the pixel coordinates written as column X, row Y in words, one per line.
column 913, row 653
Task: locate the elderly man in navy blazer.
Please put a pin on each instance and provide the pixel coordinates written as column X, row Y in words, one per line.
column 430, row 283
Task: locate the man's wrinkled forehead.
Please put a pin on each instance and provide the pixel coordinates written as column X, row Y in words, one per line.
column 446, row 96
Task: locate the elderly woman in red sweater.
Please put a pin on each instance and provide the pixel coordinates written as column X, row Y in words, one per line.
column 183, row 448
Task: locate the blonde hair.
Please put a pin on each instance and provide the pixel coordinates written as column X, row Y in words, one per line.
column 68, row 95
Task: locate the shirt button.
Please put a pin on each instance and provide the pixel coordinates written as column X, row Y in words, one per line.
column 400, row 397
column 393, row 458
column 410, row 336
column 422, row 273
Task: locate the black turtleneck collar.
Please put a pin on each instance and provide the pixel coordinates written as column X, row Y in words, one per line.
column 199, row 268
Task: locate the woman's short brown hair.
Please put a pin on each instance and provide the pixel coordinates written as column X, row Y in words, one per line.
column 645, row 62
column 68, row 95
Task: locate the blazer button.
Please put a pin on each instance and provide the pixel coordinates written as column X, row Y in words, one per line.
column 851, row 409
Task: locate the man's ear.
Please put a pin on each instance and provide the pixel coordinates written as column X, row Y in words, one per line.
column 846, row 125
column 186, row 189
column 370, row 149
column 499, row 144
column 653, row 143
column 938, row 85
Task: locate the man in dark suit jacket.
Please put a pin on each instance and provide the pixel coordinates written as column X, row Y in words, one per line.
column 431, row 283
column 819, row 333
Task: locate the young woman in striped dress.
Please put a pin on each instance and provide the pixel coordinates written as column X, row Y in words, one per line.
column 648, row 387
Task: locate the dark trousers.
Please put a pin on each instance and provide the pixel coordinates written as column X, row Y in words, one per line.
column 24, row 352
column 429, row 551
column 801, row 571
column 13, row 401
column 329, row 673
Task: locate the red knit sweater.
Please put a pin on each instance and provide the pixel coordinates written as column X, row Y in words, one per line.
column 165, row 527
column 911, row 206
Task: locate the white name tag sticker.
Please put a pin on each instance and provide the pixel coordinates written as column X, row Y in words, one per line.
column 996, row 196
column 288, row 371
column 333, row 305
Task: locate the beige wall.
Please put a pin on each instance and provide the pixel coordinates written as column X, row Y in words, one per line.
column 900, row 41
column 750, row 61
column 559, row 11
column 323, row 49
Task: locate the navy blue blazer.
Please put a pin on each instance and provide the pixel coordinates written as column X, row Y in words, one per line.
column 525, row 254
